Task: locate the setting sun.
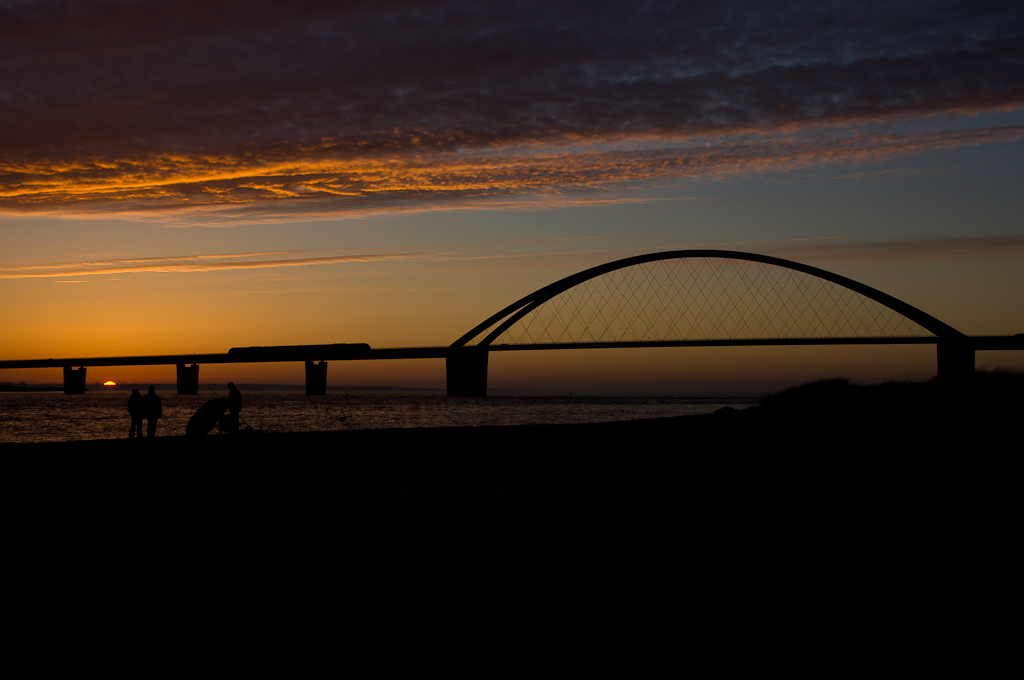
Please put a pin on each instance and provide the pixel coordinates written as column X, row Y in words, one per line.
column 109, row 383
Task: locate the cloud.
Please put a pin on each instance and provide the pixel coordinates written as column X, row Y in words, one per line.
column 982, row 247
column 232, row 104
column 269, row 259
column 534, row 253
column 188, row 264
column 518, row 178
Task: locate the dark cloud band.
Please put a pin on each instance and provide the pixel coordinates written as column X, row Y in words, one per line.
column 187, row 102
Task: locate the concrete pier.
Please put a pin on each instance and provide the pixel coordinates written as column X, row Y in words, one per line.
column 466, row 370
column 316, row 378
column 74, row 380
column 188, row 379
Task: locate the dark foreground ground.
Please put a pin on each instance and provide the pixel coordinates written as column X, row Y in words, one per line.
column 891, row 505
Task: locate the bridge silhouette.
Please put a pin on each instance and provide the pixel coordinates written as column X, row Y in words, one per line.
column 679, row 298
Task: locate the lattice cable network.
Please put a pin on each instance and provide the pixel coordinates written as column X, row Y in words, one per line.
column 706, row 298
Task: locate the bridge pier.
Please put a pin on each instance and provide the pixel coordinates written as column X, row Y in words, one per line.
column 316, row 378
column 188, row 379
column 74, row 380
column 466, row 370
column 955, row 359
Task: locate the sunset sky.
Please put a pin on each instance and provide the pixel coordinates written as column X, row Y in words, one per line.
column 185, row 176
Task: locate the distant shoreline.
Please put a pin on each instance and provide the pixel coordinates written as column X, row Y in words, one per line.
column 172, row 387
column 388, row 389
column 22, row 387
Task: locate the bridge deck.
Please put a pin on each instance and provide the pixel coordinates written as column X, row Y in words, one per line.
column 364, row 352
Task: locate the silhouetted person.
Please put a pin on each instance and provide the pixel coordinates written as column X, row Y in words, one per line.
column 234, row 407
column 135, row 411
column 151, row 409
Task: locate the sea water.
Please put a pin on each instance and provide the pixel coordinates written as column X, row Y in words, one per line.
column 99, row 414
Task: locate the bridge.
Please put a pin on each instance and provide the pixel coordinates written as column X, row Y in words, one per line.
column 679, row 298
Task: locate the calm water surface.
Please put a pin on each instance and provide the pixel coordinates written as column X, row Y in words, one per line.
column 53, row 416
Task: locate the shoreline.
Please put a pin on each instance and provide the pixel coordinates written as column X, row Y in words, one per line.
column 926, row 410
column 263, row 439
column 43, row 417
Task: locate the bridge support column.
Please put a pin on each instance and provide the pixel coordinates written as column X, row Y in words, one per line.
column 956, row 360
column 74, row 380
column 188, row 379
column 316, row 378
column 467, row 372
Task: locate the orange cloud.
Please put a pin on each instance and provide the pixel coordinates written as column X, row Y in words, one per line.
column 195, row 263
column 818, row 249
column 314, row 185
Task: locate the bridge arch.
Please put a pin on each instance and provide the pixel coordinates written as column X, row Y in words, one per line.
column 737, row 299
column 518, row 310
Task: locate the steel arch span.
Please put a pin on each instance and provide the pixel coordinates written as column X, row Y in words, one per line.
column 699, row 297
column 693, row 296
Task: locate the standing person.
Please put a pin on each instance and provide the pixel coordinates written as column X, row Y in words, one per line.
column 135, row 411
column 234, row 407
column 151, row 409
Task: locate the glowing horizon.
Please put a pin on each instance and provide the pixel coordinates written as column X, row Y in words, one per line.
column 394, row 174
